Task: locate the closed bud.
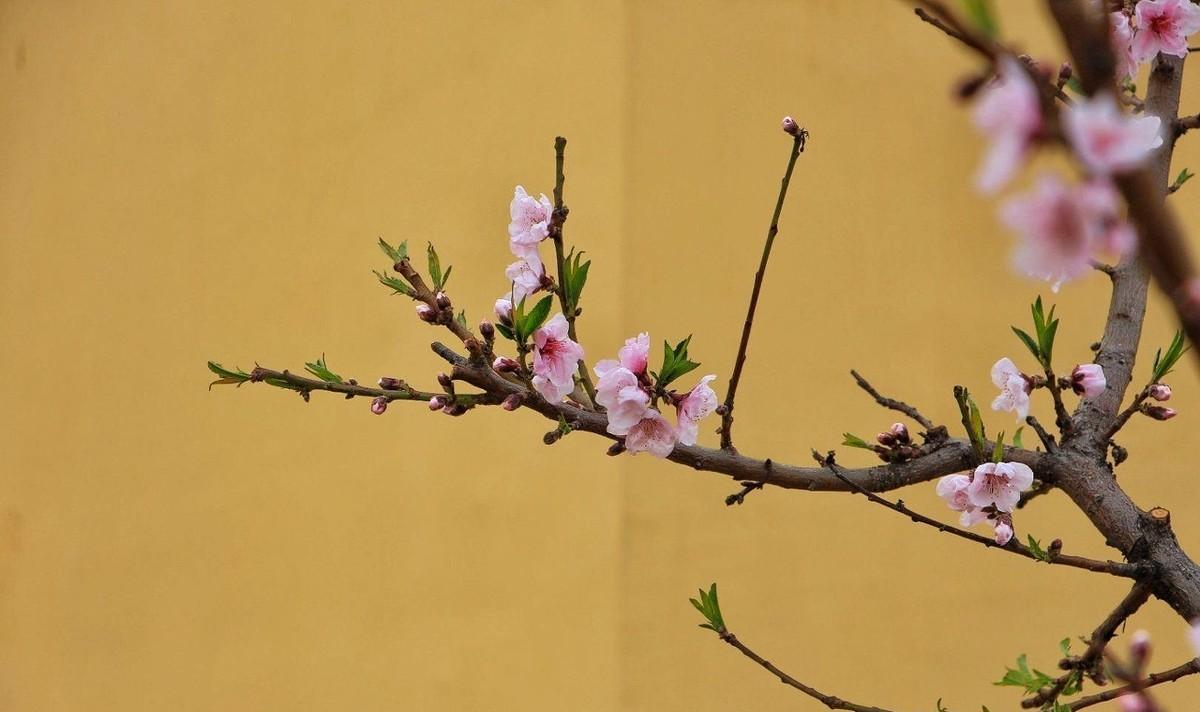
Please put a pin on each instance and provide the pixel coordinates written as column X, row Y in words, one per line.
column 1160, row 392
column 503, row 309
column 437, row 402
column 445, row 382
column 455, row 410
column 442, row 300
column 1139, row 648
column 1087, row 380
column 615, row 449
column 1159, row 412
column 789, row 126
column 504, row 364
column 388, row 383
column 512, row 402
column 900, row 431
column 1055, row 548
column 379, row 405
column 487, row 331
column 1064, row 73
column 886, row 439
column 426, row 313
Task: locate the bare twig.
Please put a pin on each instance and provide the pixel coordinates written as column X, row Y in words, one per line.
column 1186, row 123
column 1061, row 418
column 1013, row 546
column 893, row 404
column 833, row 703
column 740, row 496
column 1046, row 438
column 1092, row 656
column 1191, row 667
column 287, row 379
column 798, row 142
column 1124, row 416
column 556, row 234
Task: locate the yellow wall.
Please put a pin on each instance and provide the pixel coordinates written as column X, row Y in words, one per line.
column 181, row 182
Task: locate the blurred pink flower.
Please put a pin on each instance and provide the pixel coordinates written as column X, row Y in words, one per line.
column 1121, row 35
column 1009, row 116
column 1107, row 140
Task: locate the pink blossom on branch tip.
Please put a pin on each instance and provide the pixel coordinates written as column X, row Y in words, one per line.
column 999, row 485
column 1003, row 532
column 1163, row 26
column 1009, row 116
column 1106, row 139
column 1160, row 392
column 555, row 359
column 530, row 221
column 1014, row 388
column 1088, row 380
column 525, row 275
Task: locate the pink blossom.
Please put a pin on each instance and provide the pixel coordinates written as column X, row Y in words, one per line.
column 1107, row 140
column 1062, row 228
column 1164, row 26
column 1136, row 702
column 1194, row 636
column 953, row 489
column 1014, row 388
column 1088, row 380
column 555, row 357
column 530, row 222
column 999, row 485
column 632, row 356
column 652, row 434
column 619, row 391
column 693, row 408
column 1121, row 36
column 379, row 405
column 1009, row 116
column 1160, row 392
column 526, row 276
column 1003, row 532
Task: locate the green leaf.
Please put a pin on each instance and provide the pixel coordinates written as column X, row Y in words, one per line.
column 710, row 608
column 435, row 267
column 446, row 276
column 1016, row 441
column 1164, row 362
column 506, row 332
column 979, row 12
column 1035, row 548
column 395, row 254
column 998, row 451
column 1075, row 85
column 1029, row 342
column 977, row 429
column 1022, row 676
column 675, row 362
column 462, row 315
column 1184, row 176
column 1064, row 645
column 574, row 277
column 236, row 377
column 398, row 286
column 525, row 323
column 852, row 440
column 321, row 371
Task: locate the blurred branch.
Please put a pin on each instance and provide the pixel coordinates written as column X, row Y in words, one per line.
column 1191, row 667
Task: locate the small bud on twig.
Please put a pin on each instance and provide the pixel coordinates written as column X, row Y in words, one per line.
column 1159, row 412
column 388, row 383
column 455, row 410
column 900, row 432
column 487, row 331
column 426, row 313
column 379, row 405
column 1159, row 392
column 445, row 382
column 615, row 449
column 512, row 402
column 437, row 403
column 504, row 364
column 442, row 300
column 789, row 126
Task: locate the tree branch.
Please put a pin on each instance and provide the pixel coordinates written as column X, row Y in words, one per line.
column 798, row 142
column 892, row 404
column 1191, row 667
column 833, row 703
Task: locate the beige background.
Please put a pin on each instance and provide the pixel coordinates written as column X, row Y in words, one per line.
column 185, row 181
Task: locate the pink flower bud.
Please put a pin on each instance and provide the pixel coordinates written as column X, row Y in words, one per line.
column 504, row 364
column 1135, row 703
column 444, row 381
column 886, row 439
column 512, row 402
column 1158, row 412
column 487, row 331
column 504, row 311
column 1160, row 392
column 426, row 313
column 789, row 126
column 1139, row 647
column 442, row 300
column 1004, row 533
column 379, row 405
column 900, row 431
column 437, row 403
column 1088, row 380
column 388, row 383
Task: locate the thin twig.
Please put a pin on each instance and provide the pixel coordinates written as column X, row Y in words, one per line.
column 798, row 142
column 1092, row 656
column 1124, row 416
column 1013, row 546
column 1186, row 123
column 1046, row 438
column 289, row 380
column 1061, row 418
column 892, row 404
column 556, row 233
column 1191, row 667
column 833, row 703
column 740, row 496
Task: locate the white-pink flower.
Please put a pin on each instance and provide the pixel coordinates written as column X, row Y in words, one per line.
column 652, row 434
column 1062, row 228
column 953, row 489
column 619, row 391
column 632, row 356
column 555, row 358
column 694, row 407
column 1014, row 388
column 1087, row 380
column 530, row 222
column 1164, row 26
column 503, row 309
column 1009, row 116
column 999, row 485
column 1106, row 139
column 526, row 275
column 1003, row 531
column 1121, row 36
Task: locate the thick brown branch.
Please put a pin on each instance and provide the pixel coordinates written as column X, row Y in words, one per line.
column 727, row 413
column 893, row 404
column 833, row 703
column 1091, row 657
column 1191, row 667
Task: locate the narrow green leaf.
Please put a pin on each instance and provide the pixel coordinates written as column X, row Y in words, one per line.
column 978, row 432
column 537, row 316
column 435, row 267
column 321, row 371
column 1035, row 548
column 398, row 286
column 1029, row 343
column 1184, row 176
column 395, row 254
column 851, row 440
column 1016, row 441
column 1064, row 646
column 506, row 332
column 979, row 12
column 446, row 276
column 998, row 451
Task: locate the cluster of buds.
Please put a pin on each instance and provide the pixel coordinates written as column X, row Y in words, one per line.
column 896, row 445
column 447, row 404
column 433, row 314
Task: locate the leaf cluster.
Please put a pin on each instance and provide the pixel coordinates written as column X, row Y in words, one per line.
column 1045, row 326
column 710, row 608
